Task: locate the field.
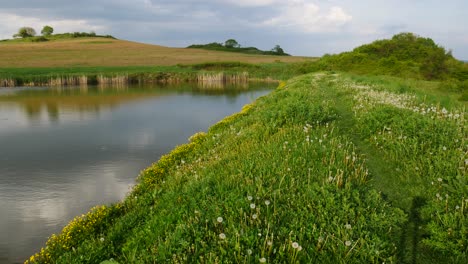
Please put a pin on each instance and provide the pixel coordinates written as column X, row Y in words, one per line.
column 91, row 52
column 328, row 168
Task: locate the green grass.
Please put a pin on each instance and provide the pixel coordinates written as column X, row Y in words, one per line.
column 328, row 168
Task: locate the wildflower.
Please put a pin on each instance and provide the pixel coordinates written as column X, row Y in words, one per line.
column 444, row 148
column 348, row 226
column 457, row 207
column 348, row 243
column 252, row 205
column 262, row 260
column 295, row 245
column 439, row 179
column 267, row 202
column 254, row 216
column 299, row 248
column 269, row 243
column 222, row 236
column 249, row 251
column 249, row 198
column 219, row 219
column 101, row 239
column 320, row 239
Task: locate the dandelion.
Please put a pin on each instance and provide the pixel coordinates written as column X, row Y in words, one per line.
column 269, row 243
column 439, row 179
column 444, row 148
column 222, row 236
column 299, row 248
column 254, row 216
column 249, row 251
column 348, row 243
column 295, row 245
column 262, row 260
column 252, row 205
column 457, row 207
column 219, row 219
column 249, row 198
column 320, row 239
column 348, row 226
column 267, row 202
column 101, row 239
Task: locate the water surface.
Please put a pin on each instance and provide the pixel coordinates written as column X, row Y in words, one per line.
column 65, row 150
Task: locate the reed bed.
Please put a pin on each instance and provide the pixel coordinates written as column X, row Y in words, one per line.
column 221, row 80
column 7, row 82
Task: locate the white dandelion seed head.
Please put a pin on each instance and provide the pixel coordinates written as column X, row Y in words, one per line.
column 299, row 248
column 254, row 216
column 457, row 207
column 439, row 179
column 219, row 219
column 348, row 226
column 222, row 236
column 348, row 243
column 295, row 245
column 252, row 205
column 101, row 239
column 267, row 202
column 270, row 242
column 249, row 251
column 262, row 260
column 249, row 198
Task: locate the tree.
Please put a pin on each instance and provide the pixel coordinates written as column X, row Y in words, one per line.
column 278, row 50
column 25, row 32
column 47, row 31
column 231, row 43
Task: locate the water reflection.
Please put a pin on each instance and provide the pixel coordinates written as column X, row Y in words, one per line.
column 64, row 150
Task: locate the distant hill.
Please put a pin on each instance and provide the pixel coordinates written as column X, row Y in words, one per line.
column 404, row 55
column 276, row 51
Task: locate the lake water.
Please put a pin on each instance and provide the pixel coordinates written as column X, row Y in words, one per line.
column 65, row 150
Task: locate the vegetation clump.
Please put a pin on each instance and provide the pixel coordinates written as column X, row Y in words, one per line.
column 231, row 45
column 404, row 55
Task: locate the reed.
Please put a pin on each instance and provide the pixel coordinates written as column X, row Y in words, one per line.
column 220, row 80
column 9, row 82
column 68, row 80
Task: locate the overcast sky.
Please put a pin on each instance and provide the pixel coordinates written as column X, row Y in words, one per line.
column 300, row 27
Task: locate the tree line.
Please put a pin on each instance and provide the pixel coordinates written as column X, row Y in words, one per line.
column 232, row 45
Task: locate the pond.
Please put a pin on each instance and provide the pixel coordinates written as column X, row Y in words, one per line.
column 65, row 150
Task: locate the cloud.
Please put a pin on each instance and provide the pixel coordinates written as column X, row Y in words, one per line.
column 304, row 16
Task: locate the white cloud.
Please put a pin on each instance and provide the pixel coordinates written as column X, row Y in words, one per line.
column 305, row 16
column 13, row 22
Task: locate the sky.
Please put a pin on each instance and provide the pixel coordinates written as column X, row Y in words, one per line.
column 300, row 27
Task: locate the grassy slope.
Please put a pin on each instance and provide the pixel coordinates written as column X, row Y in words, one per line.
column 91, row 52
column 328, row 161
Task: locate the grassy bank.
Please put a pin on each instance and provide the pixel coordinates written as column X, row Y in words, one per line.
column 328, row 168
